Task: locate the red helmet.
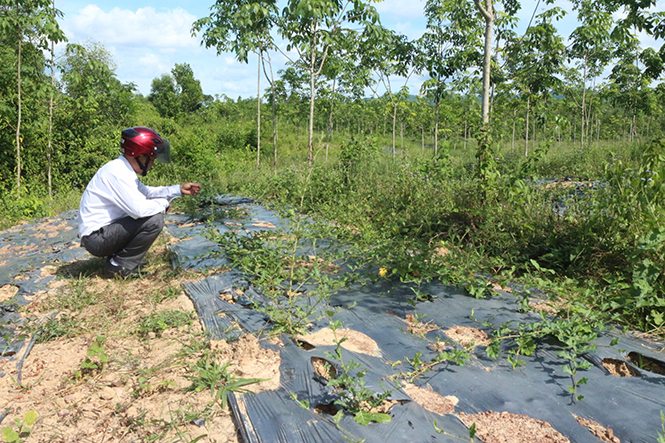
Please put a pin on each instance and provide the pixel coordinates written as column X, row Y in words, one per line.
column 141, row 140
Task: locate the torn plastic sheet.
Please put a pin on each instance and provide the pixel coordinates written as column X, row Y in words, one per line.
column 27, row 248
column 273, row 416
column 250, row 218
column 197, row 253
column 220, row 317
column 24, row 251
column 539, row 388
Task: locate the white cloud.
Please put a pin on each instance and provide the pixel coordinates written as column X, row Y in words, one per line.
column 391, row 10
column 144, row 27
column 152, row 65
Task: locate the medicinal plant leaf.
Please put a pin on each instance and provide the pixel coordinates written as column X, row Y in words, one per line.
column 365, row 418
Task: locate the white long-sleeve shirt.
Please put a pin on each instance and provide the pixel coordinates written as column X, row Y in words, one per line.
column 116, row 192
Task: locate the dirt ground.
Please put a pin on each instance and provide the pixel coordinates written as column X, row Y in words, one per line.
column 147, row 389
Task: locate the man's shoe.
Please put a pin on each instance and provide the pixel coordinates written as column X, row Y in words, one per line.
column 122, row 272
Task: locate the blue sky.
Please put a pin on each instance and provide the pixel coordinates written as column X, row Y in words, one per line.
column 148, row 37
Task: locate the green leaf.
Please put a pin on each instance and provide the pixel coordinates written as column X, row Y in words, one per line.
column 30, row 418
column 9, row 434
column 364, row 418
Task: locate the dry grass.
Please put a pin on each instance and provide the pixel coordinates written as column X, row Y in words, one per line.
column 141, row 393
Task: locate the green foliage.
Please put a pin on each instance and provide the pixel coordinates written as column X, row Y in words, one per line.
column 53, row 328
column 349, row 384
column 575, row 334
column 76, row 299
column 176, row 94
column 277, row 264
column 210, row 374
column 22, row 429
column 96, row 359
column 160, row 321
column 472, row 432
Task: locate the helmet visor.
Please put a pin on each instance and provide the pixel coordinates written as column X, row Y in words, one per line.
column 163, row 152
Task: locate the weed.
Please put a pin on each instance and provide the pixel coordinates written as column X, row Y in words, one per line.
column 661, row 437
column 210, row 374
column 297, row 283
column 354, row 397
column 162, row 294
column 158, row 322
column 302, row 403
column 21, row 431
column 574, row 333
column 420, row 367
column 96, row 359
column 76, row 298
column 53, row 328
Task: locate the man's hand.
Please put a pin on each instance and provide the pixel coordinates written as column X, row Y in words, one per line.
column 190, row 188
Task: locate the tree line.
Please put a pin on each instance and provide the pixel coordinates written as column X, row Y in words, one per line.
column 487, row 85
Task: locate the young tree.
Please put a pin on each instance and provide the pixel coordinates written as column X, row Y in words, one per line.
column 591, row 47
column 242, row 27
column 94, row 104
column 390, row 57
column 314, row 28
column 163, row 95
column 535, row 60
column 33, row 23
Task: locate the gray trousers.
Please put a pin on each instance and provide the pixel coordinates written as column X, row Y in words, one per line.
column 126, row 240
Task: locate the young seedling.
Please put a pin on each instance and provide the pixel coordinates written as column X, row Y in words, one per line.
column 355, row 398
column 21, row 431
column 96, row 359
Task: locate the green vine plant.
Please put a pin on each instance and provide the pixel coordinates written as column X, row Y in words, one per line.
column 354, row 397
column 420, row 367
column 21, row 430
column 574, row 333
column 661, row 437
column 472, row 432
column 297, row 285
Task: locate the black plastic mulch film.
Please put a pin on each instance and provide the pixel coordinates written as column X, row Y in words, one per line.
column 630, row 406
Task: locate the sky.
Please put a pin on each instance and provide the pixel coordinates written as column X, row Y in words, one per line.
column 148, row 37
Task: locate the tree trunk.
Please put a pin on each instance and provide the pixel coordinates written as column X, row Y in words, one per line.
column 18, row 122
column 310, row 145
column 394, row 127
column 512, row 141
column 582, row 137
column 488, row 13
column 526, row 136
column 49, row 148
column 422, row 139
column 258, row 113
column 436, row 129
column 330, row 120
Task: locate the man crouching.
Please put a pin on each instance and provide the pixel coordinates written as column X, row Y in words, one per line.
column 120, row 217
